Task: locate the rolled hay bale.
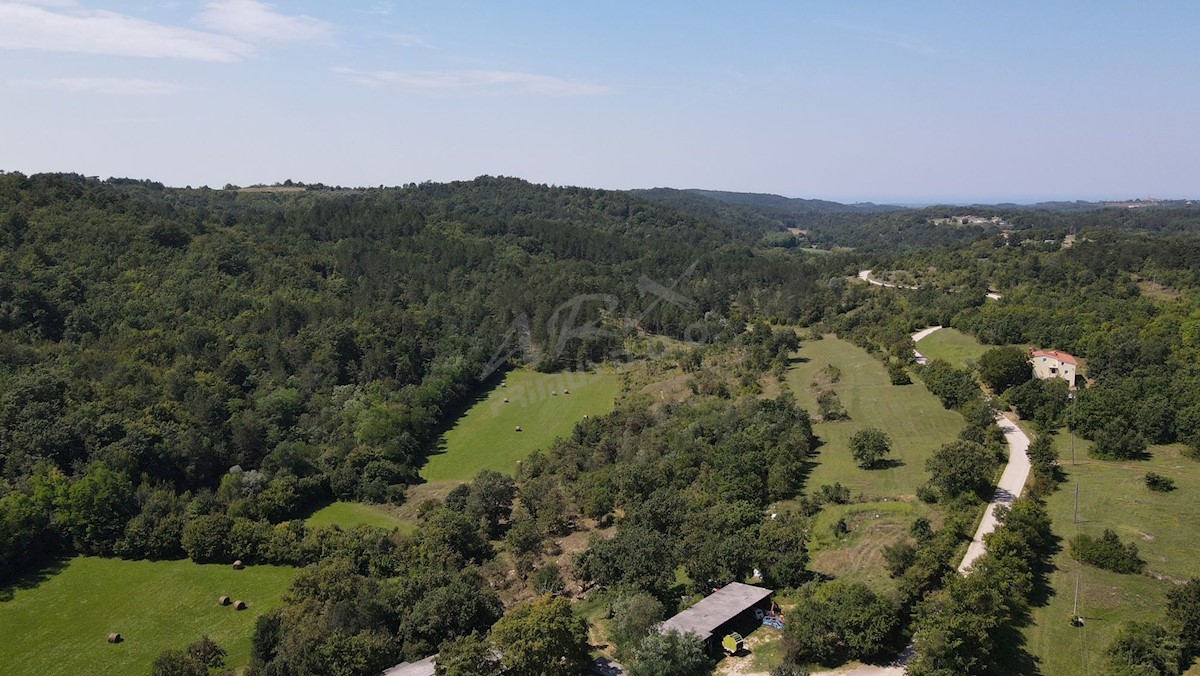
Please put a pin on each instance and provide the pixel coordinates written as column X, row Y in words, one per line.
column 115, row 638
column 239, row 605
column 506, row 400
column 553, row 393
column 224, row 601
column 566, row 391
column 517, row 428
column 238, row 565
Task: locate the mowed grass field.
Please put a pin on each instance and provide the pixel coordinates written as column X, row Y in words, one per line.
column 61, row 625
column 484, row 436
column 951, row 345
column 351, row 514
column 914, row 419
column 1114, row 495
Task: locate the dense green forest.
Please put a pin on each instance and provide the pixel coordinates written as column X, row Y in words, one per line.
column 188, row 372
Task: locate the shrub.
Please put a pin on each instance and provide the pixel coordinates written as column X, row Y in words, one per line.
column 1118, row 441
column 1144, row 649
column 830, row 407
column 1107, row 552
column 1158, row 482
column 836, row 493
column 898, row 374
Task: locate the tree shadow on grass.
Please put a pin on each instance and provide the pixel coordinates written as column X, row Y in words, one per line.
column 33, row 578
column 437, row 443
column 887, row 463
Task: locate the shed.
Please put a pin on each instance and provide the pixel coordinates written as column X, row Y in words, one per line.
column 718, row 611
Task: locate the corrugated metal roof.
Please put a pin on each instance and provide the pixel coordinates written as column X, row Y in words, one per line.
column 716, row 609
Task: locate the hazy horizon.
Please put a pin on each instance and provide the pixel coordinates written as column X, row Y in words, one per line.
column 862, row 102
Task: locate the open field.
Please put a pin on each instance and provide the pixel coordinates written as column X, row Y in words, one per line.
column 59, row 625
column 951, row 345
column 912, row 417
column 484, row 437
column 1114, row 495
column 857, row 556
column 350, row 514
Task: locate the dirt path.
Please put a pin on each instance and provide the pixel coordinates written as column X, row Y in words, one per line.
column 865, row 275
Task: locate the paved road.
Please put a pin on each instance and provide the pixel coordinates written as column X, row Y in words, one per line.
column 1009, row 488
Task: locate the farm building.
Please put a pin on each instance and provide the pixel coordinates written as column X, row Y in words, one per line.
column 719, row 612
column 1054, row 364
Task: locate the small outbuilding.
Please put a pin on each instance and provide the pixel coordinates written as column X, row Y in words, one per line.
column 719, row 613
column 115, row 637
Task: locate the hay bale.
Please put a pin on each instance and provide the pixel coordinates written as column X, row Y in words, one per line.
column 506, row 400
column 517, row 428
column 115, row 638
column 238, row 565
column 224, row 601
column 553, row 393
column 239, row 605
column 566, row 391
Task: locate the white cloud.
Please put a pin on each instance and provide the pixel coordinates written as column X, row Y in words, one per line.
column 258, row 21
column 486, row 80
column 24, row 26
column 113, row 86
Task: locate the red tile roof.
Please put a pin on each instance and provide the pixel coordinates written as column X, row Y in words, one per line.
column 1055, row 354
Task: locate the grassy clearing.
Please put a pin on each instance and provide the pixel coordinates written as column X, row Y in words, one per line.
column 951, row 345
column 60, row 624
column 912, row 417
column 484, row 437
column 350, row 514
column 1113, row 495
column 857, row 556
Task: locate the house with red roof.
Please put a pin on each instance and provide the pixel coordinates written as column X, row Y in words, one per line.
column 1054, row 364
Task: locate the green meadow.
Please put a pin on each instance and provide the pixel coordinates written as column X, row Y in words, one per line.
column 350, row 514
column 60, row 624
column 914, row 419
column 952, row 345
column 1114, row 495
column 485, row 436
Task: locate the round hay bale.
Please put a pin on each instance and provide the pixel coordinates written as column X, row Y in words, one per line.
column 506, row 400
column 224, row 601
column 517, row 428
column 238, row 565
column 553, row 393
column 115, row 638
column 566, row 391
column 239, row 605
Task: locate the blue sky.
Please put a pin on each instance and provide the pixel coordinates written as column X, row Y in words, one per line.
column 885, row 101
